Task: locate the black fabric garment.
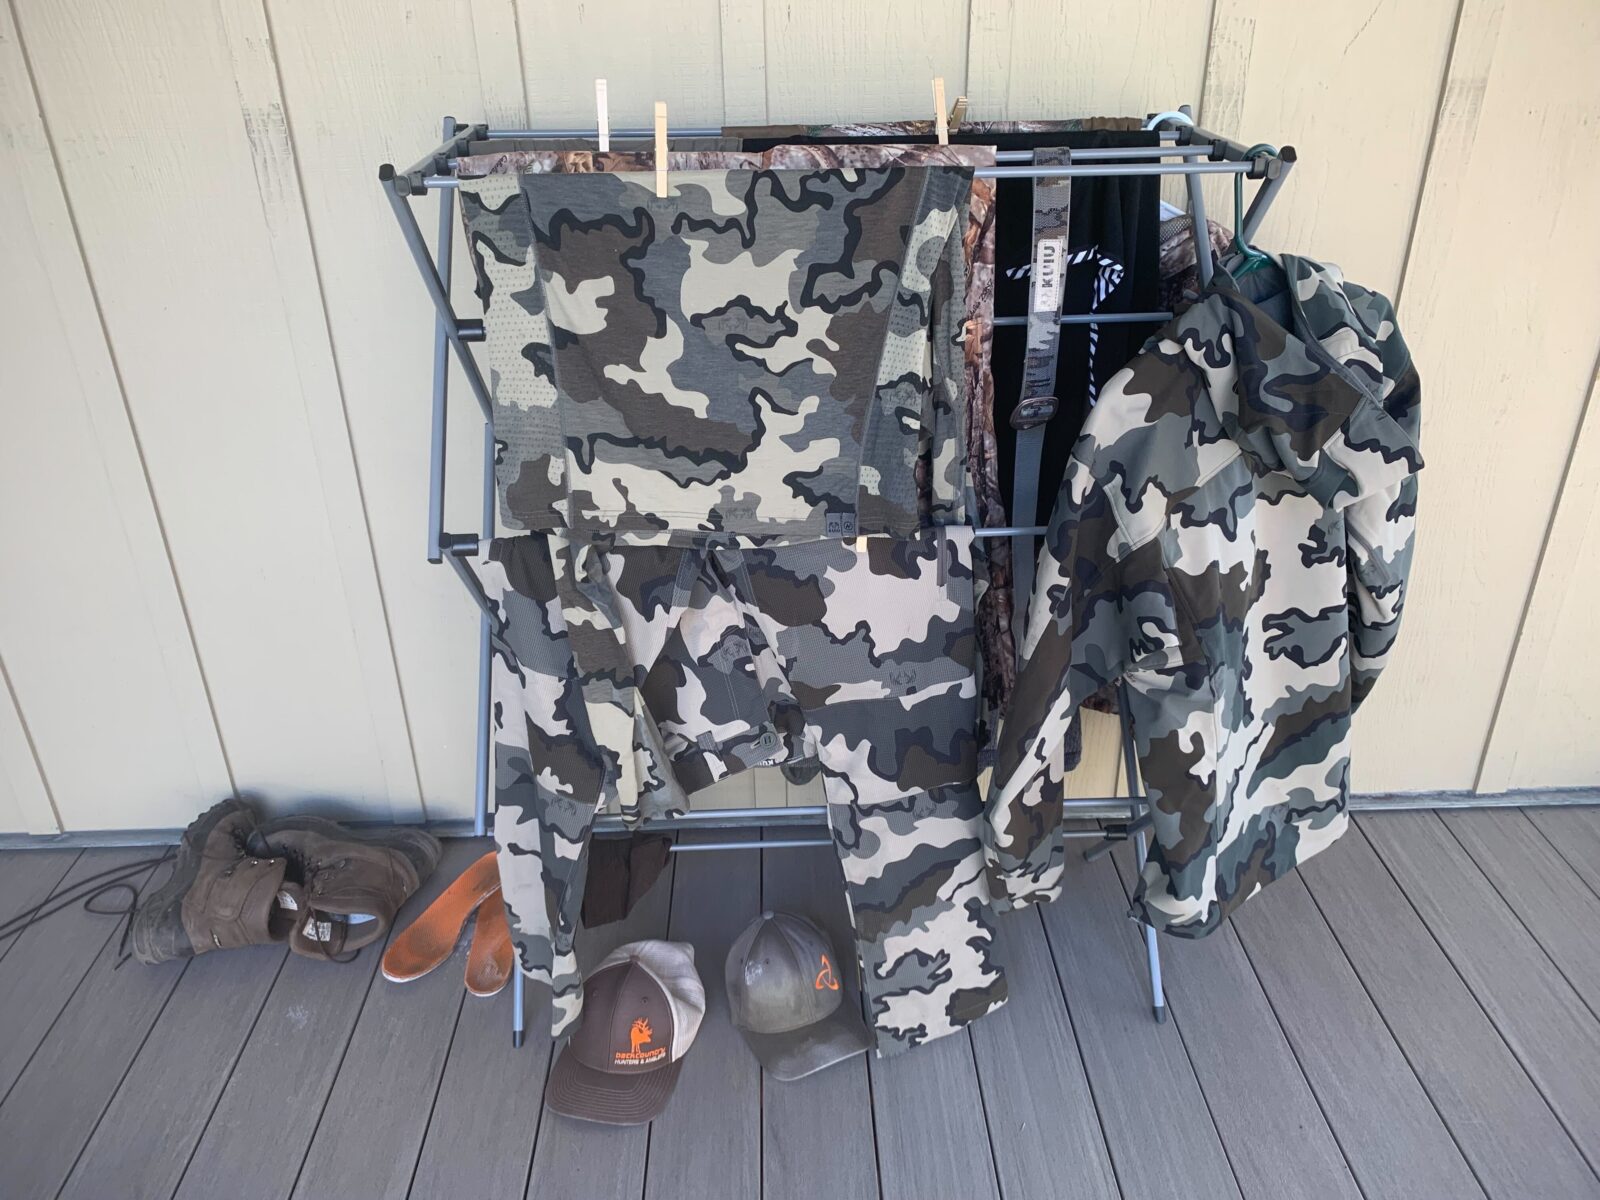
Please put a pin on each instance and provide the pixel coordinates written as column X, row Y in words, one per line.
column 621, row 871
column 1114, row 242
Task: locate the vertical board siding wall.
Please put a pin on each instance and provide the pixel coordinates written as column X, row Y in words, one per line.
column 213, row 377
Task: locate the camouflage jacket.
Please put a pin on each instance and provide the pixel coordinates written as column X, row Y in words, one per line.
column 1232, row 543
column 787, row 363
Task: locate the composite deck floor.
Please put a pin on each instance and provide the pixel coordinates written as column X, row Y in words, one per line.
column 1414, row 1014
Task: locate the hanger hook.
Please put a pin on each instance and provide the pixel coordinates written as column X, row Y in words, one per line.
column 1252, row 258
column 1159, row 119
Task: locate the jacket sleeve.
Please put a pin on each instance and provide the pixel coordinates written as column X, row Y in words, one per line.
column 1100, row 607
column 1380, row 528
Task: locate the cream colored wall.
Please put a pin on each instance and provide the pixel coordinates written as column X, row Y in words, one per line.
column 214, row 350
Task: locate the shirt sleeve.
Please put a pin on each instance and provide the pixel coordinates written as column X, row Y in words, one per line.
column 1101, row 607
column 1380, row 529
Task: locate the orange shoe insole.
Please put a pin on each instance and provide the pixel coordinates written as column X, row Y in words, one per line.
column 489, row 956
column 428, row 940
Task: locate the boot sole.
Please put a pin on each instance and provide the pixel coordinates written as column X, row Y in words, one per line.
column 157, row 934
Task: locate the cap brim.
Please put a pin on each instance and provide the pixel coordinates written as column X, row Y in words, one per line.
column 805, row 1051
column 576, row 1090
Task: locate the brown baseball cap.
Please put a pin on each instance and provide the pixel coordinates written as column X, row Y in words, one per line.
column 786, row 993
column 642, row 1009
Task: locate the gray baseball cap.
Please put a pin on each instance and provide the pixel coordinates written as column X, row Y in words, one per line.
column 786, row 994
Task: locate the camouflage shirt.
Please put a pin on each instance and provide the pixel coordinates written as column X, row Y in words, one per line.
column 765, row 352
column 1232, row 542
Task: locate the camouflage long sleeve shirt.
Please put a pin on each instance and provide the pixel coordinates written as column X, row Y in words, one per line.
column 1231, row 542
column 764, row 352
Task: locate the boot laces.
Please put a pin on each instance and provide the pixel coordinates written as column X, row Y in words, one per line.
column 121, row 881
column 86, row 892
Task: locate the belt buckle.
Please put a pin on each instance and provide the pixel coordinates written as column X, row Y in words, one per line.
column 1034, row 411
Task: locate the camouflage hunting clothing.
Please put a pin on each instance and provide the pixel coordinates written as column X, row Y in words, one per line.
column 788, row 362
column 981, row 450
column 1108, row 271
column 1232, row 542
column 626, row 677
column 1180, row 276
column 495, row 156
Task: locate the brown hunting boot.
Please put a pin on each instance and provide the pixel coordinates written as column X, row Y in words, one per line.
column 354, row 880
column 219, row 895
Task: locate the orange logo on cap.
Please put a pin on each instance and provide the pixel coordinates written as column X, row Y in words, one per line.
column 639, row 1035
column 825, row 977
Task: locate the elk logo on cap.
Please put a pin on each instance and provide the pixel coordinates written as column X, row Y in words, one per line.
column 640, row 1035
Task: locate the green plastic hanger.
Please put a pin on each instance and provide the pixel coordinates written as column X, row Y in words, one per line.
column 1250, row 259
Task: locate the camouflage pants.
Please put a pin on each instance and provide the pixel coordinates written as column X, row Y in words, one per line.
column 635, row 676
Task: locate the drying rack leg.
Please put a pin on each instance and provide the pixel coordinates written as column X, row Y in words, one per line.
column 516, row 1007
column 437, row 270
column 1136, row 801
column 1152, row 947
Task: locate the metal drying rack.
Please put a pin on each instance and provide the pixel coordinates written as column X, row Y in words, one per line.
column 1197, row 152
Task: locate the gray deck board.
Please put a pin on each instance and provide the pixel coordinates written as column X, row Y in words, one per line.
column 799, row 1116
column 577, row 1158
column 1541, row 1017
column 49, row 960
column 367, row 1142
column 1035, row 1091
column 472, row 1149
column 1143, row 1083
column 255, row 1141
column 1390, row 1133
column 715, row 893
column 1413, row 1014
column 1549, row 898
column 1278, row 1140
column 60, row 1095
column 185, row 1061
column 943, row 1149
column 27, row 880
column 1505, row 1129
column 1575, row 835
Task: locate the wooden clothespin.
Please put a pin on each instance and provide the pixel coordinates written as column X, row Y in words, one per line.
column 958, row 113
column 941, row 119
column 661, row 149
column 602, row 110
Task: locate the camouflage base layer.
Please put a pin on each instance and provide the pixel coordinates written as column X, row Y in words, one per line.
column 976, row 448
column 628, row 677
column 769, row 351
column 1233, row 541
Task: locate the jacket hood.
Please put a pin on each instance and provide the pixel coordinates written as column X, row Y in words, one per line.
column 1304, row 395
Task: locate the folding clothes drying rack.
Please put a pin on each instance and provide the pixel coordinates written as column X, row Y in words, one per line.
column 1198, row 153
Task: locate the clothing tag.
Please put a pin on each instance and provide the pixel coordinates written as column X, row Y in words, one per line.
column 287, row 901
column 1049, row 262
column 839, row 525
column 318, row 931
